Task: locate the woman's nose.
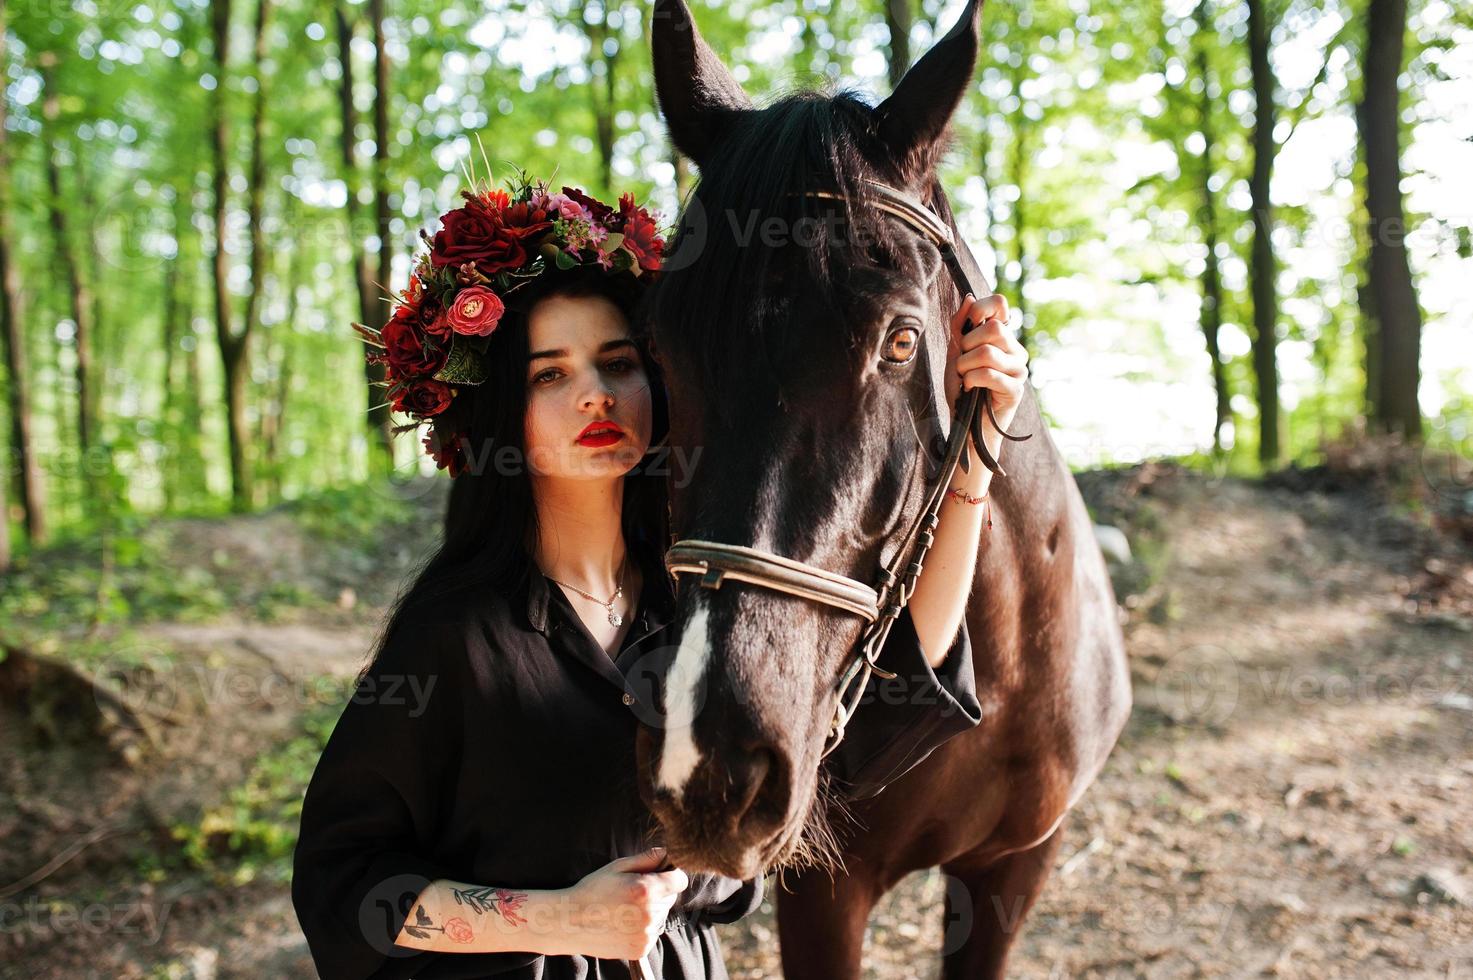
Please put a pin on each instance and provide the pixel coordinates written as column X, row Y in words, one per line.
column 598, row 394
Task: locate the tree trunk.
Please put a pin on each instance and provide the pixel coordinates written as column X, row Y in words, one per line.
column 235, row 347
column 372, row 313
column 183, row 413
column 1370, row 330
column 898, row 18
column 603, row 103
column 79, row 300
column 1398, row 337
column 256, row 189
column 32, row 488
column 1212, row 294
column 381, row 166
column 232, row 345
column 1264, row 267
column 256, row 178
column 168, row 411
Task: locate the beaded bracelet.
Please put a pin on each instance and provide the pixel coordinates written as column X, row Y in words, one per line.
column 961, row 496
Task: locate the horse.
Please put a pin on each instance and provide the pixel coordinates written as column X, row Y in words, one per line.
column 786, row 282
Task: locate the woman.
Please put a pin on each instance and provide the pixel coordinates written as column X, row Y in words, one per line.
column 474, row 811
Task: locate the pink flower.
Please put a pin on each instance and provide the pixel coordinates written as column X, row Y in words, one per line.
column 476, row 311
column 564, row 207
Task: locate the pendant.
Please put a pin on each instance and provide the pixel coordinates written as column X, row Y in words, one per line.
column 615, row 619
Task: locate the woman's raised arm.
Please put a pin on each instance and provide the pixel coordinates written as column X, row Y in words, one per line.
column 988, row 357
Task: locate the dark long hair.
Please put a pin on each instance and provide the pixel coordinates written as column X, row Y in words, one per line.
column 490, row 521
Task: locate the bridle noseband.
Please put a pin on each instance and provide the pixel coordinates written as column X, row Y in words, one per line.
column 881, row 604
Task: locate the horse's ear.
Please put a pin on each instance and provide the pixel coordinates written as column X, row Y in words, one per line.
column 697, row 93
column 912, row 120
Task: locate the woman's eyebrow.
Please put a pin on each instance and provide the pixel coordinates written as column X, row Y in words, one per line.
column 608, row 345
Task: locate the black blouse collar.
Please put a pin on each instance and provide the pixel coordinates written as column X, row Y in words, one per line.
column 657, row 599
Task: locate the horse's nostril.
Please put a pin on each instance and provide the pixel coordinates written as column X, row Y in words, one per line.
column 760, row 772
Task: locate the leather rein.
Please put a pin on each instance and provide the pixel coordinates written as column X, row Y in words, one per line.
column 879, row 605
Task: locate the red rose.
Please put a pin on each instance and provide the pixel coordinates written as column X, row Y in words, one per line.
column 432, row 316
column 447, row 453
column 475, row 311
column 476, row 235
column 489, row 234
column 426, row 397
column 404, row 347
column 641, row 237
column 459, row 930
column 599, row 209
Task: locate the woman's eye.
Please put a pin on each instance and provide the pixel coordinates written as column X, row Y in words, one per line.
column 902, row 344
column 543, row 377
column 619, row 365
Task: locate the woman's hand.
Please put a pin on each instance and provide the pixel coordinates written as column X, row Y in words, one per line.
column 619, row 910
column 989, row 356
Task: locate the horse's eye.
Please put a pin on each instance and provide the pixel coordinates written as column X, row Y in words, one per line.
column 902, row 343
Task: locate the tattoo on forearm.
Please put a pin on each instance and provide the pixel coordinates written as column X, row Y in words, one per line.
column 456, row 928
column 499, row 900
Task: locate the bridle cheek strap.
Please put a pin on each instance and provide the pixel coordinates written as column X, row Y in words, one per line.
column 716, row 562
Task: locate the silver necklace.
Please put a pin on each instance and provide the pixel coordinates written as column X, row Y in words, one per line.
column 614, row 618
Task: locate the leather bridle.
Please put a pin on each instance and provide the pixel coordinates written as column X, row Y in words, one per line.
column 878, row 605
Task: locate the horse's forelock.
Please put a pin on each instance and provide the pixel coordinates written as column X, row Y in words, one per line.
column 711, row 305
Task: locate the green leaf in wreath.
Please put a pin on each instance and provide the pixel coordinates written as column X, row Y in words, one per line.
column 462, row 366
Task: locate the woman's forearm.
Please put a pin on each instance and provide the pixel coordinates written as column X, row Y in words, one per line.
column 945, row 583
column 456, row 917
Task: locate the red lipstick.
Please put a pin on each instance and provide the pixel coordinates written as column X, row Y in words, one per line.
column 597, row 434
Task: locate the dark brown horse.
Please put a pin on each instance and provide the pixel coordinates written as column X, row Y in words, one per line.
column 772, row 320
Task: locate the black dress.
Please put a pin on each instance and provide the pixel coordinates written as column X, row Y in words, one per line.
column 495, row 746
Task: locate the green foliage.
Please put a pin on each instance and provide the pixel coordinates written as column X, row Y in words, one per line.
column 143, row 570
column 254, row 830
column 357, row 514
column 133, row 579
column 283, row 597
column 1067, row 102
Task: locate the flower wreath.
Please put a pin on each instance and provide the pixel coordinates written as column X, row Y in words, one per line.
column 496, row 244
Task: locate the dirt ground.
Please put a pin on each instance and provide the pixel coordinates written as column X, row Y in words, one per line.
column 1291, row 797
